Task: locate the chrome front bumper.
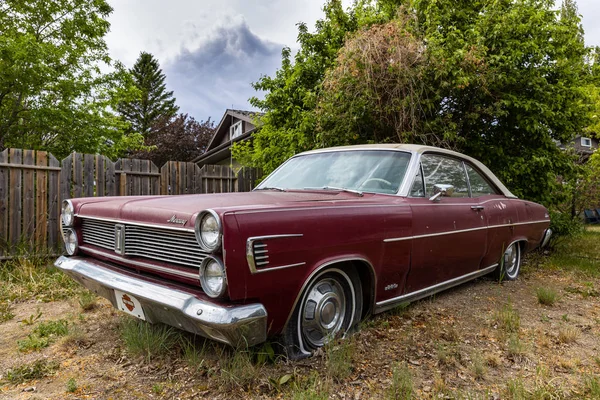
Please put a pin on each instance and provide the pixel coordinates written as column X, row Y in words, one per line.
column 236, row 325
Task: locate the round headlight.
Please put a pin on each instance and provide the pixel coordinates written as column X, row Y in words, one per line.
column 212, row 277
column 67, row 213
column 70, row 238
column 208, row 230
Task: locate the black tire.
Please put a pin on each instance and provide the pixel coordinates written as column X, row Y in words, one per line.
column 510, row 264
column 330, row 307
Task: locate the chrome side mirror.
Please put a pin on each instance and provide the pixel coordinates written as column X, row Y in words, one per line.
column 440, row 190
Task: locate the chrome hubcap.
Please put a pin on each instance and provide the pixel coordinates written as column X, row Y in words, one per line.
column 323, row 312
column 511, row 260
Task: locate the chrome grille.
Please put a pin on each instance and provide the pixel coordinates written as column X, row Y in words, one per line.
column 178, row 247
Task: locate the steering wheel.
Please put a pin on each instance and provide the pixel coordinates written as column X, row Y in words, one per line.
column 388, row 183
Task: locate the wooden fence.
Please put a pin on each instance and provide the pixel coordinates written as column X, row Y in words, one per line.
column 34, row 183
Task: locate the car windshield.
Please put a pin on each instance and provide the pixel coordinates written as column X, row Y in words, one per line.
column 376, row 171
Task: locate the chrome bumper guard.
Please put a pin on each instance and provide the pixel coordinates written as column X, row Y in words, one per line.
column 238, row 325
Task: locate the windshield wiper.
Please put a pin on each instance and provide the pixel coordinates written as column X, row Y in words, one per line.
column 358, row 192
column 272, row 188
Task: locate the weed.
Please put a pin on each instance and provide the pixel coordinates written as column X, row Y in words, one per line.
column 516, row 349
column 447, row 354
column 32, row 318
column 565, row 317
column 515, row 389
column 508, row 319
column 192, row 353
column 546, row 296
column 148, row 340
column 71, row 385
column 36, row 370
column 402, row 384
column 6, row 313
column 75, row 337
column 592, row 386
column 238, row 370
column 597, row 361
column 567, row 334
column 478, row 366
column 265, row 353
column 158, row 388
column 277, row 383
column 338, row 358
column 492, row 360
column 314, row 387
column 33, row 343
column 87, row 300
column 401, row 309
column 25, row 278
column 586, row 292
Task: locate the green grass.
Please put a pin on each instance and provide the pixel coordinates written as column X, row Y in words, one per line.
column 6, row 311
column 580, row 254
column 508, row 319
column 338, row 358
column 27, row 278
column 87, row 300
column 546, row 296
column 592, row 386
column 402, row 384
column 36, row 370
column 148, row 340
column 43, row 335
column 71, row 385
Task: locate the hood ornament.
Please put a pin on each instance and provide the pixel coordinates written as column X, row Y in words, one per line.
column 178, row 221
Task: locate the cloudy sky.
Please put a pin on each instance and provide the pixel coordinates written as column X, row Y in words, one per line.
column 211, row 50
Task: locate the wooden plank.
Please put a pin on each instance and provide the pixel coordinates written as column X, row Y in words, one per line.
column 66, row 178
column 155, row 180
column 164, row 179
column 4, row 212
column 180, row 178
column 197, row 179
column 41, row 201
column 89, row 186
column 111, row 178
column 54, row 203
column 173, row 178
column 28, row 198
column 16, row 205
column 189, row 178
column 144, row 180
column 25, row 166
column 100, row 176
column 77, row 175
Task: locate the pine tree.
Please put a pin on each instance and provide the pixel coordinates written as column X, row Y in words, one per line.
column 154, row 102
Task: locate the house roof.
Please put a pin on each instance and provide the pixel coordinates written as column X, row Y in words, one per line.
column 216, row 144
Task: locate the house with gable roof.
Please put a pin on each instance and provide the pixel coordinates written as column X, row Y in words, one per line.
column 235, row 126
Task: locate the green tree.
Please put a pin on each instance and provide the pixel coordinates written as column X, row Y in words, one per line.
column 53, row 95
column 179, row 138
column 501, row 81
column 154, row 103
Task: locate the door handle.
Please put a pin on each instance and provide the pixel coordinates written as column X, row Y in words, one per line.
column 477, row 208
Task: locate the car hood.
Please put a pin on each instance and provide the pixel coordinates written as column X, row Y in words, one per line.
column 181, row 210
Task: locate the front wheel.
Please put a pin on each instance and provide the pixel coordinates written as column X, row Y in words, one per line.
column 510, row 263
column 329, row 307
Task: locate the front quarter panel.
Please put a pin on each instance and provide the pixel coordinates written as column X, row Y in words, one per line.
column 323, row 235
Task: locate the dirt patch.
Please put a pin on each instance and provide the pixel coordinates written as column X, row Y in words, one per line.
column 453, row 345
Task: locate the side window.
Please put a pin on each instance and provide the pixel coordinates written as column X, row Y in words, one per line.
column 418, row 189
column 479, row 185
column 446, row 171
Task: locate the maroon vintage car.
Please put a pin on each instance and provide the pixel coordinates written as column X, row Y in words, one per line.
column 329, row 237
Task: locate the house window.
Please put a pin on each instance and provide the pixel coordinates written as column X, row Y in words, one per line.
column 235, row 130
column 586, row 142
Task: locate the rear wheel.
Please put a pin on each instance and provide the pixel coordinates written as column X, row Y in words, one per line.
column 330, row 306
column 510, row 263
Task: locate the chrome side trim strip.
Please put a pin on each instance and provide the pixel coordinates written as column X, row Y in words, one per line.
column 120, row 221
column 276, row 268
column 142, row 264
column 263, row 259
column 389, row 240
column 428, row 291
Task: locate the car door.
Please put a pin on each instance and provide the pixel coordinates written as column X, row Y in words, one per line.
column 449, row 233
